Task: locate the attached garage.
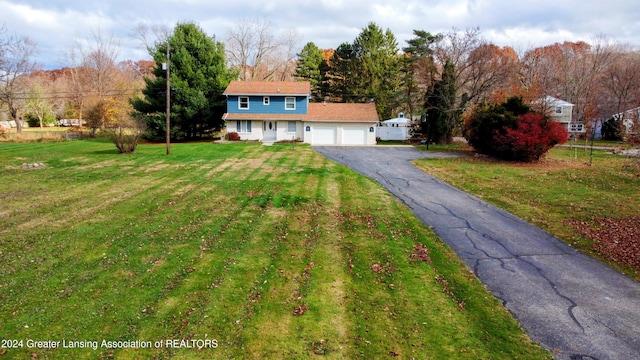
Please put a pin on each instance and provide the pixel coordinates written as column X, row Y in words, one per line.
column 354, row 135
column 340, row 124
column 324, row 135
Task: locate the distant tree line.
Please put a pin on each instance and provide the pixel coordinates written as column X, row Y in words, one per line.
column 440, row 78
column 436, row 78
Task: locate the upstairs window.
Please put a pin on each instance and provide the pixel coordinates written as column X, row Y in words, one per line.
column 243, row 102
column 289, row 103
column 265, row 100
column 558, row 109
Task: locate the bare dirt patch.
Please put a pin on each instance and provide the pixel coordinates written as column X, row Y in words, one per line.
column 554, row 164
column 617, row 239
column 545, row 163
column 157, row 166
column 98, row 165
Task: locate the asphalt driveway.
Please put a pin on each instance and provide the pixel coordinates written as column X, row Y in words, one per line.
column 573, row 305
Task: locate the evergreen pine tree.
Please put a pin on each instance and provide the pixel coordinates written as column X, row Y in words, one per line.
column 308, row 68
column 199, row 76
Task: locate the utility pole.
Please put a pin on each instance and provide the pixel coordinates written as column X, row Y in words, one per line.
column 168, row 102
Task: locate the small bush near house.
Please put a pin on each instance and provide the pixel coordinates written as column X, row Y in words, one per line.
column 126, row 140
column 233, row 136
column 512, row 131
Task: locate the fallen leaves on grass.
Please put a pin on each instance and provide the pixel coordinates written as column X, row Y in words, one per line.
column 388, row 268
column 300, row 309
column 421, row 253
column 617, row 239
column 377, row 268
column 320, row 347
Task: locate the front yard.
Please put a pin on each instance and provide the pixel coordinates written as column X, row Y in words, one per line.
column 227, row 251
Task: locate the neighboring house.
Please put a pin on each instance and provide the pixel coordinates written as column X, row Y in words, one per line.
column 562, row 112
column 630, row 121
column 271, row 111
column 395, row 129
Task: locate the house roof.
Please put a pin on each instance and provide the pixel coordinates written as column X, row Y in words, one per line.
column 326, row 112
column 397, row 121
column 355, row 112
column 550, row 100
column 302, row 88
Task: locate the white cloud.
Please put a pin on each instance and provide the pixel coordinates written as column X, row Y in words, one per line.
column 55, row 25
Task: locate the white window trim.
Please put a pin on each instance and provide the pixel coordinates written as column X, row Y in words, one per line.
column 247, row 127
column 295, row 126
column 266, row 100
column 240, row 102
column 576, row 127
column 285, row 103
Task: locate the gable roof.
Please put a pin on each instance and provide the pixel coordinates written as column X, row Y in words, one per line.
column 327, row 112
column 355, row 112
column 550, row 100
column 268, row 88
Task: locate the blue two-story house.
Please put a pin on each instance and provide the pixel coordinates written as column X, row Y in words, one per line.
column 271, row 111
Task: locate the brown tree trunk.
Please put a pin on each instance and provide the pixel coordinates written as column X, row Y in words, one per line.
column 14, row 113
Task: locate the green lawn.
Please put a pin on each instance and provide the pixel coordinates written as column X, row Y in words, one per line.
column 569, row 186
column 249, row 251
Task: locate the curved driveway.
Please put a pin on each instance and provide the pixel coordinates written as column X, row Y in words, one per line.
column 573, row 305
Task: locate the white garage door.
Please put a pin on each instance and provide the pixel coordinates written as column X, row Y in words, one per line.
column 324, row 135
column 354, row 135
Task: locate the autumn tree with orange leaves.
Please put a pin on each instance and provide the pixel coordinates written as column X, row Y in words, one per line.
column 571, row 71
column 621, row 89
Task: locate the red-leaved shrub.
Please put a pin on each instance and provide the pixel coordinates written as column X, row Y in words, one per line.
column 532, row 137
column 512, row 131
column 233, row 136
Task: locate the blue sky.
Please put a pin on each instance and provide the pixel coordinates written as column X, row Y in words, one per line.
column 56, row 25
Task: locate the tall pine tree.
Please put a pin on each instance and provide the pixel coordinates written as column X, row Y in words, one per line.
column 199, row 76
column 379, row 66
column 308, row 68
column 443, row 111
column 367, row 70
column 418, row 69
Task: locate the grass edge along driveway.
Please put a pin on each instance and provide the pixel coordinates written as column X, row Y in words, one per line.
column 563, row 195
column 272, row 252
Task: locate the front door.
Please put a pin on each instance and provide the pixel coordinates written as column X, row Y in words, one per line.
column 270, row 129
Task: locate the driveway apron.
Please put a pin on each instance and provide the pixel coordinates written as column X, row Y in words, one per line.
column 573, row 305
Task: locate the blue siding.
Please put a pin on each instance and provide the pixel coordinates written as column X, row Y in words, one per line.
column 276, row 105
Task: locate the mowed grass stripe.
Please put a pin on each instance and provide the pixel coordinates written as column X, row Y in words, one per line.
column 326, row 324
column 272, row 218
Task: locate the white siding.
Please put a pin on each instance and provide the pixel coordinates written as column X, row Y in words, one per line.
column 324, row 133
